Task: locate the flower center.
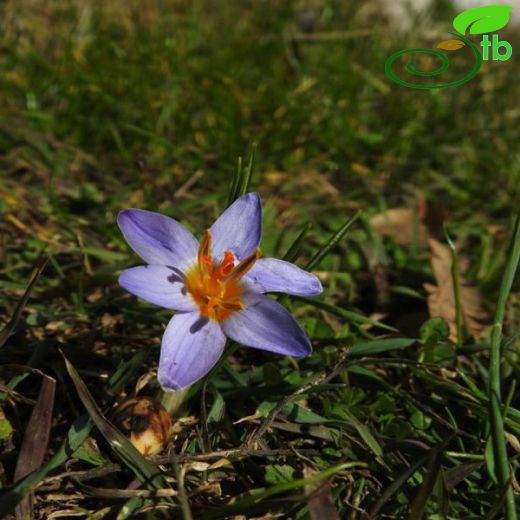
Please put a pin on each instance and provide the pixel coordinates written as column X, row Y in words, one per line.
column 216, row 287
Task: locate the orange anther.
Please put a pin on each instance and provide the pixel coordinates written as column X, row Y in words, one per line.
column 216, row 288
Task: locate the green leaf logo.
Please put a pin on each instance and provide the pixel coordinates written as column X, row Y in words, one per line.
column 481, row 20
column 451, row 45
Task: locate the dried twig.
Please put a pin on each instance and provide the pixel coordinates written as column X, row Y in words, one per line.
column 258, row 433
column 232, row 454
column 179, row 476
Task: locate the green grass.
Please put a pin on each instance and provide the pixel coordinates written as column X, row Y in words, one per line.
column 150, row 104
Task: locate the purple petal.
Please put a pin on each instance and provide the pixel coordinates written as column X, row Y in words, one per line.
column 157, row 239
column 272, row 275
column 190, row 347
column 158, row 284
column 265, row 324
column 239, row 228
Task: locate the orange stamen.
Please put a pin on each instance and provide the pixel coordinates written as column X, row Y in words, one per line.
column 243, row 267
column 216, row 287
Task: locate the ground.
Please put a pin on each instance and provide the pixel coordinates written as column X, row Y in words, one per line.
column 151, row 104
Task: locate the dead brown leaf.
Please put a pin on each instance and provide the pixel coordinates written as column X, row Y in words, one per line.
column 320, row 501
column 275, row 178
column 35, row 441
column 308, row 179
column 360, row 169
column 403, row 225
column 441, row 299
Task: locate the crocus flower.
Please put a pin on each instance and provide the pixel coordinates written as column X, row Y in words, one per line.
column 216, row 287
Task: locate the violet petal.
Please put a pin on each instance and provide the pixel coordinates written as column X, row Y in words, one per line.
column 273, row 275
column 158, row 284
column 157, row 239
column 266, row 325
column 239, row 228
column 190, row 347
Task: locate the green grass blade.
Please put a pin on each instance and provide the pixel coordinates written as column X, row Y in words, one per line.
column 125, row 372
column 248, row 173
column 235, row 183
column 403, row 477
column 294, row 250
column 369, row 348
column 11, row 325
column 365, row 434
column 130, row 508
column 258, row 495
column 242, row 177
column 316, row 260
column 494, row 390
column 342, row 313
column 432, row 472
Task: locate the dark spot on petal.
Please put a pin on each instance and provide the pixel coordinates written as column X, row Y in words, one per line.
column 177, row 275
column 198, row 325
